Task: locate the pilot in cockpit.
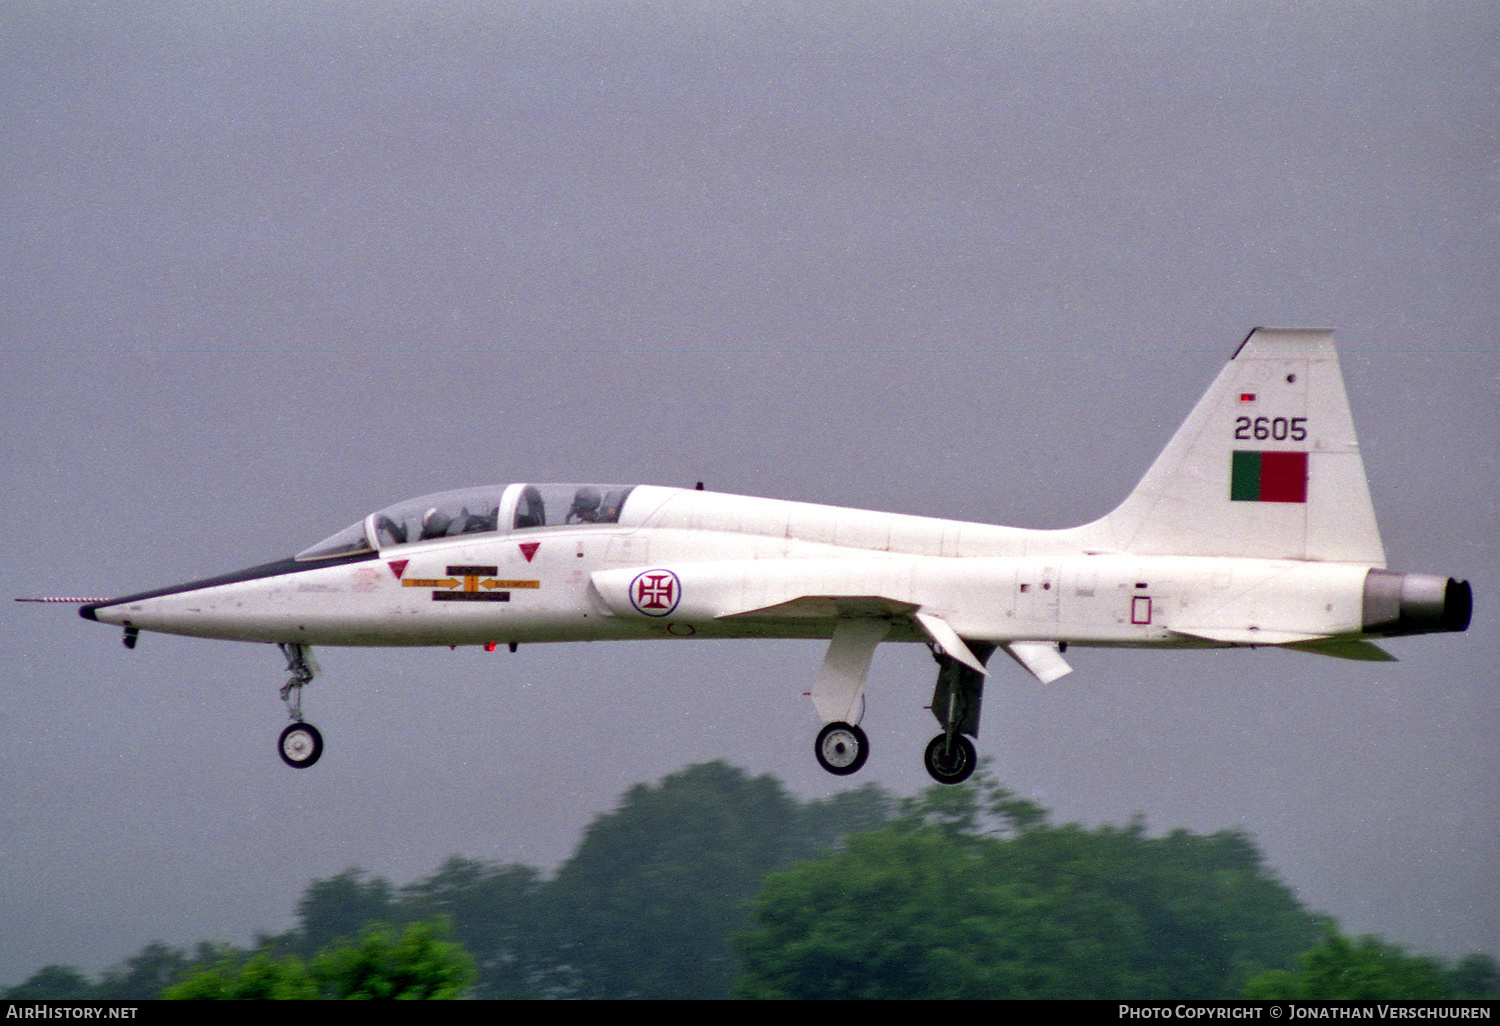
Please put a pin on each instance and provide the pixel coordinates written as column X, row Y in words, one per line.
column 435, row 524
column 475, row 523
column 609, row 512
column 585, row 509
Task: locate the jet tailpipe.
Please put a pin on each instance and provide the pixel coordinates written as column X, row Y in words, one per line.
column 1415, row 603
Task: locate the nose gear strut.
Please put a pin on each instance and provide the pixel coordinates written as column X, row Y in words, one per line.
column 300, row 744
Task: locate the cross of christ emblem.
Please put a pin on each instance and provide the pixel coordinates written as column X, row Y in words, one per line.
column 655, row 592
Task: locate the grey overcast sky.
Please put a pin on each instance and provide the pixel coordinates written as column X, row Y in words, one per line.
column 270, row 266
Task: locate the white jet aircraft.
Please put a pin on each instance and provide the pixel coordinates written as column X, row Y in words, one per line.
column 1253, row 527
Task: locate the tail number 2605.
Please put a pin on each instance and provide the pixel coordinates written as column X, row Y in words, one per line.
column 1278, row 429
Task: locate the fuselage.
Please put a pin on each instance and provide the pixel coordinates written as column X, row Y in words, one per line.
column 678, row 563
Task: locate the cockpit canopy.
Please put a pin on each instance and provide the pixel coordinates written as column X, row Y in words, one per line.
column 487, row 510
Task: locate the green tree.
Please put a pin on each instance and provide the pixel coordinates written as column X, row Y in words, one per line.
column 824, row 824
column 144, row 975
column 646, row 904
column 493, row 910
column 261, row 977
column 1475, row 976
column 1192, row 916
column 1343, row 970
column 895, row 915
column 417, row 963
column 339, row 909
column 972, row 894
column 52, row 983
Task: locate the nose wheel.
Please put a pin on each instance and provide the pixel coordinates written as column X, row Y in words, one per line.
column 842, row 748
column 300, row 744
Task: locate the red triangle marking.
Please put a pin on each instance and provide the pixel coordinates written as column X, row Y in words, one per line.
column 528, row 549
column 398, row 567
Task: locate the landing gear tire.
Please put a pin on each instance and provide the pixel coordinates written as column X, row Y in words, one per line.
column 950, row 762
column 300, row 745
column 842, row 748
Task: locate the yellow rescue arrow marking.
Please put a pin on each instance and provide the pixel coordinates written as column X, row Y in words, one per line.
column 471, row 582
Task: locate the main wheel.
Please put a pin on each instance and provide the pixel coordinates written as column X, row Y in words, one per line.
column 842, row 748
column 950, row 764
column 300, row 745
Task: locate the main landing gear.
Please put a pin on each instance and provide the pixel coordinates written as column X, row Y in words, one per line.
column 842, row 748
column 300, row 744
column 950, row 758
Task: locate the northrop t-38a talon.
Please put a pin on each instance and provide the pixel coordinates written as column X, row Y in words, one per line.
column 1253, row 527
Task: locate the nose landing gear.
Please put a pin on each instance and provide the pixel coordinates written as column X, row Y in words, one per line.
column 300, row 744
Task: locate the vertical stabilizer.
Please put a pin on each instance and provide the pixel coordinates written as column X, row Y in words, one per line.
column 1266, row 465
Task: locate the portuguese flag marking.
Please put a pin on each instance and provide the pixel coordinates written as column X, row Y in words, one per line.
column 1268, row 477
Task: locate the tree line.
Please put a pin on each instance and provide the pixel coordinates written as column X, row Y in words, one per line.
column 715, row 884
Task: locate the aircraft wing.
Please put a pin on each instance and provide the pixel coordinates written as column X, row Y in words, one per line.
column 754, row 589
column 826, row 607
column 782, row 590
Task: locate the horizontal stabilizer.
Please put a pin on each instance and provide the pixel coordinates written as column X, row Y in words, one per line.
column 1042, row 659
column 1346, row 648
column 1317, row 644
column 1248, row 636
